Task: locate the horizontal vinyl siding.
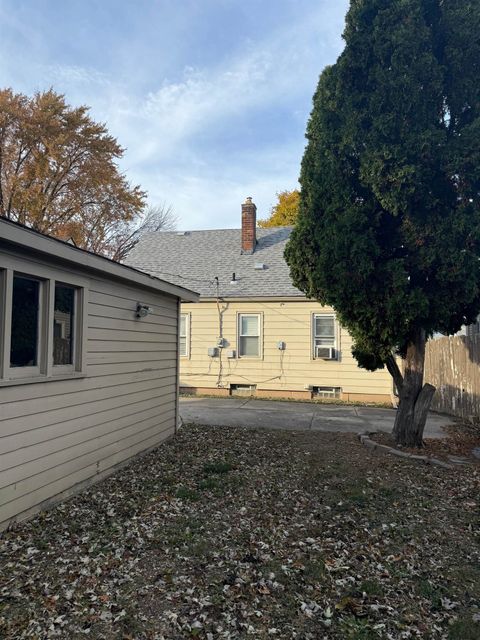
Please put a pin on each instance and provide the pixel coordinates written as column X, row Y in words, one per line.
column 291, row 370
column 56, row 434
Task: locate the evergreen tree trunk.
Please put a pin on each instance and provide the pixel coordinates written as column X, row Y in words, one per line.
column 415, row 397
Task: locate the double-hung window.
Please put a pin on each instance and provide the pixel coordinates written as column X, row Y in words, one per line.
column 42, row 323
column 184, row 334
column 324, row 336
column 249, row 325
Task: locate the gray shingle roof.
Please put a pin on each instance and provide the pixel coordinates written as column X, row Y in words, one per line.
column 194, row 259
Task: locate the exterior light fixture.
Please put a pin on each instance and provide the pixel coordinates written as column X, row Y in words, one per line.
column 142, row 310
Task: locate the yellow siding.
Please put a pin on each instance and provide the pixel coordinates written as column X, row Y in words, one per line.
column 291, row 370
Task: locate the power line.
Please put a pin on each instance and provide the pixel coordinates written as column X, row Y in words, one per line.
column 189, row 279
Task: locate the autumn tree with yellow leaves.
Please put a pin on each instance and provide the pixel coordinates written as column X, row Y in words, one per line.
column 59, row 173
column 285, row 212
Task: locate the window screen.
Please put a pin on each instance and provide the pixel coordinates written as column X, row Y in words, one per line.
column 249, row 342
column 25, row 319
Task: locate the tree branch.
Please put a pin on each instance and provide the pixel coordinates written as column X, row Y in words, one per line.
column 395, row 372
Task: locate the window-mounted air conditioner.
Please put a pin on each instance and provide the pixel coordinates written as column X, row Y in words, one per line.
column 324, row 353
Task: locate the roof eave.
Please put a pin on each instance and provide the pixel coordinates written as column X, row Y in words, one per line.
column 19, row 236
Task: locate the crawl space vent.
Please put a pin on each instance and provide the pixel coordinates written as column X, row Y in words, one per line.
column 327, row 392
column 243, row 389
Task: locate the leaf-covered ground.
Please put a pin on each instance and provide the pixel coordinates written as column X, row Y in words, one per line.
column 460, row 441
column 232, row 533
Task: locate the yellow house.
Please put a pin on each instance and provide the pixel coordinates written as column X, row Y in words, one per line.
column 252, row 331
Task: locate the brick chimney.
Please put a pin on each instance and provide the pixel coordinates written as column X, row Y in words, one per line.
column 249, row 225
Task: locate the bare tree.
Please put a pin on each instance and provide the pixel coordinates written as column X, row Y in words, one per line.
column 157, row 218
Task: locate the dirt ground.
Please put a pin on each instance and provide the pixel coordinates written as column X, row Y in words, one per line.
column 235, row 533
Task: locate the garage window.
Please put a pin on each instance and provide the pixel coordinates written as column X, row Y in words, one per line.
column 41, row 323
column 64, row 324
column 25, row 320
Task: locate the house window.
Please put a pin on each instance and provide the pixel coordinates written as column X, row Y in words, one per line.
column 63, row 324
column 24, row 341
column 42, row 327
column 184, row 330
column 324, row 336
column 249, row 335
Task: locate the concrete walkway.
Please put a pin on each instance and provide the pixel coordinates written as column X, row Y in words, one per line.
column 297, row 416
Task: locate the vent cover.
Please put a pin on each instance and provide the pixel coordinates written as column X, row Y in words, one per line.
column 243, row 389
column 327, row 392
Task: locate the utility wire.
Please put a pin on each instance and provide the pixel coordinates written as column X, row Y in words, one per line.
column 188, row 279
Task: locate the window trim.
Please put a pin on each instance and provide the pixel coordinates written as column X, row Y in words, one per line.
column 313, row 336
column 3, row 320
column 19, row 373
column 62, row 369
column 45, row 370
column 187, row 334
column 259, row 315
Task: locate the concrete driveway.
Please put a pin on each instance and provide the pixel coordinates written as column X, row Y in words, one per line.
column 296, row 416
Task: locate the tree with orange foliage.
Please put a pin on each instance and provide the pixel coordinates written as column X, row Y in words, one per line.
column 285, row 212
column 59, row 173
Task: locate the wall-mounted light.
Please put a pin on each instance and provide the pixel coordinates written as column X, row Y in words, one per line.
column 142, row 310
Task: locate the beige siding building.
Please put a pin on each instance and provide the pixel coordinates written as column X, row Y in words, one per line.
column 252, row 331
column 88, row 367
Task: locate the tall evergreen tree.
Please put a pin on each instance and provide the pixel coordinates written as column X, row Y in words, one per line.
column 389, row 224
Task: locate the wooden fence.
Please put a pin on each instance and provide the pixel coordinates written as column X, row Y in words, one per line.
column 452, row 365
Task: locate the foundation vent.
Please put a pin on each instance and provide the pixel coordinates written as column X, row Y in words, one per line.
column 243, row 389
column 326, row 392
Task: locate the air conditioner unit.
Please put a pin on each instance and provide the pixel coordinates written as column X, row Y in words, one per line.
column 324, row 353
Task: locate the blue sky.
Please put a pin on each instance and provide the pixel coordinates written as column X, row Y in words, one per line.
column 209, row 97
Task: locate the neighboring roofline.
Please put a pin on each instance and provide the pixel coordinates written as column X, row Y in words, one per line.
column 19, row 235
column 256, row 298
column 180, row 232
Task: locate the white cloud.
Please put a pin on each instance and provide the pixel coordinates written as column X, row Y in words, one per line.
column 173, row 133
column 206, row 190
column 74, row 75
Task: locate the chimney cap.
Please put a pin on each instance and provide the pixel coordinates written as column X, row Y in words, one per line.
column 248, row 200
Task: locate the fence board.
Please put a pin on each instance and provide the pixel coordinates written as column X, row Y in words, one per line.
column 452, row 365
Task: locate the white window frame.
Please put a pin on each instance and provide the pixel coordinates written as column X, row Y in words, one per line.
column 335, row 343
column 240, row 335
column 187, row 335
column 45, row 370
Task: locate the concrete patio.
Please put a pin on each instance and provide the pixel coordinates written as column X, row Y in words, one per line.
column 297, row 416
